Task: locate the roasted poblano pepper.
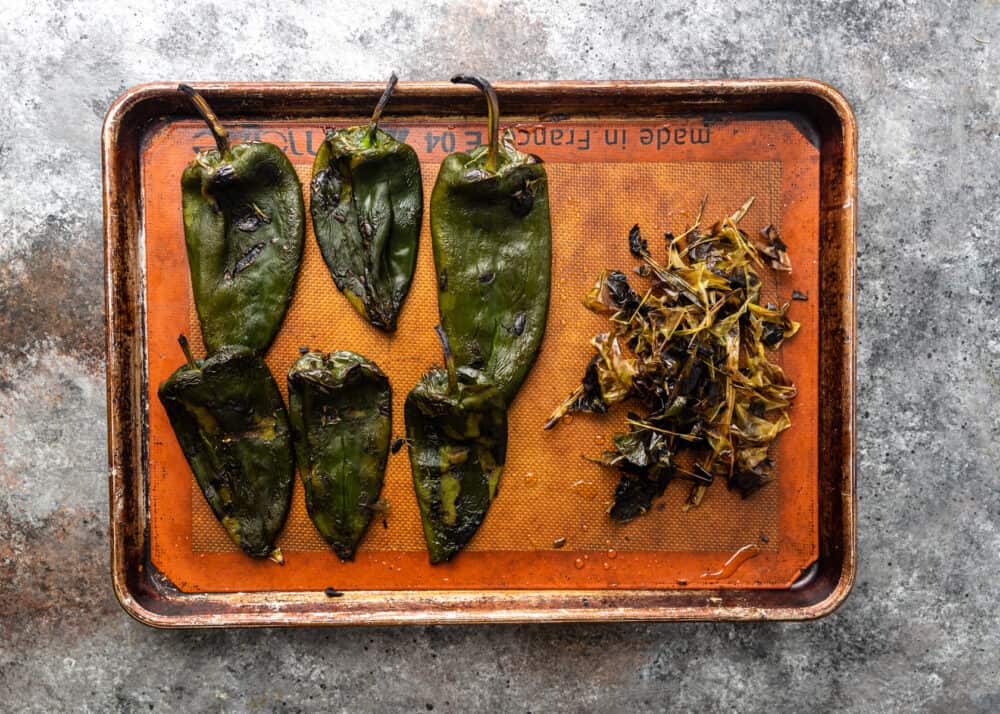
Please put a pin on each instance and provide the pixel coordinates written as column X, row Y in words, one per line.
column 340, row 408
column 244, row 226
column 493, row 254
column 456, row 428
column 367, row 204
column 231, row 424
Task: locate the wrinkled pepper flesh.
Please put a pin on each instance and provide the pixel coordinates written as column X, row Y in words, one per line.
column 367, row 205
column 244, row 228
column 456, row 428
column 492, row 243
column 230, row 421
column 340, row 407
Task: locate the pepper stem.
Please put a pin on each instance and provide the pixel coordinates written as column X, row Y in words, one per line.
column 492, row 115
column 218, row 131
column 377, row 114
column 186, row 347
column 449, row 358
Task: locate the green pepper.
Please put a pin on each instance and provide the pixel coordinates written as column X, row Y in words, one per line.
column 231, row 424
column 493, row 253
column 367, row 204
column 244, row 227
column 456, row 428
column 340, row 407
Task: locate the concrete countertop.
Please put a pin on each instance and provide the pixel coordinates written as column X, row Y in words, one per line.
column 921, row 629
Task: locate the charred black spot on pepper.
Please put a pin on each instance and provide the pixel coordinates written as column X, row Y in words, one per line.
column 636, row 245
column 269, row 173
column 247, row 259
column 443, row 281
column 487, row 277
column 621, row 292
column 223, row 176
column 521, row 202
column 326, row 187
column 520, row 320
column 248, row 218
column 772, row 334
column 385, row 408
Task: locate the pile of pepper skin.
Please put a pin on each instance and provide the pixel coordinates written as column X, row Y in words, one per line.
column 691, row 352
column 244, row 230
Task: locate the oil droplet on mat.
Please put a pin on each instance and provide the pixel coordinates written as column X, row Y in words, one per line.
column 567, row 419
column 751, row 550
column 530, row 479
column 586, row 489
column 612, row 553
column 607, row 565
column 578, row 563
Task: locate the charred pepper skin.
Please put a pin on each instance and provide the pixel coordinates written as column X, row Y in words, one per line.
column 456, row 428
column 367, row 205
column 230, row 421
column 492, row 242
column 340, row 408
column 244, row 229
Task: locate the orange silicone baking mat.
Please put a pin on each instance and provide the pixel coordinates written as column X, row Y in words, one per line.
column 603, row 177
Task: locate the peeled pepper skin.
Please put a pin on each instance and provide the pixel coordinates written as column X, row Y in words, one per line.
column 492, row 242
column 367, row 206
column 340, row 408
column 231, row 424
column 458, row 447
column 244, row 228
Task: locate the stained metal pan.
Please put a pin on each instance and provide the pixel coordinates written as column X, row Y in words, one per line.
column 615, row 150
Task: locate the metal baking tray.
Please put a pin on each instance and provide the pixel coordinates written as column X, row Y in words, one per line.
column 616, row 151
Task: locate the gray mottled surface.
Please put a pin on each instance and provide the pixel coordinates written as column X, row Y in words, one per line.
column 921, row 629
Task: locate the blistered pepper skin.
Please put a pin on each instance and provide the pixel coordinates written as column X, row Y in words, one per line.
column 244, row 230
column 367, row 206
column 230, row 421
column 492, row 242
column 457, row 437
column 340, row 408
